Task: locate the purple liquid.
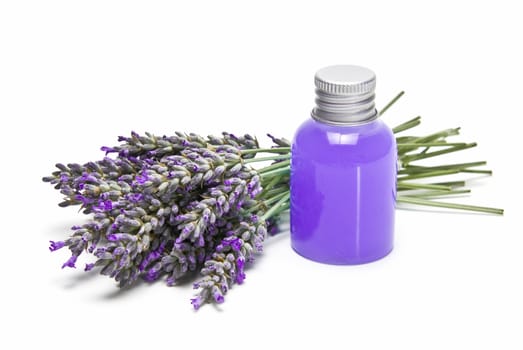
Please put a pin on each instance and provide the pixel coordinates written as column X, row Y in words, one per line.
column 343, row 192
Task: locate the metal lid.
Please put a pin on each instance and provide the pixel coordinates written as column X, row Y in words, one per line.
column 345, row 80
column 345, row 95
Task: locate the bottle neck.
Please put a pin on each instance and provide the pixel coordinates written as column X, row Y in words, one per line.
column 344, row 109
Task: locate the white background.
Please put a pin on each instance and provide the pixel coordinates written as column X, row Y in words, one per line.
column 76, row 74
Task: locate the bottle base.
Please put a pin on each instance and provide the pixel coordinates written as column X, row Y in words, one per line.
column 355, row 261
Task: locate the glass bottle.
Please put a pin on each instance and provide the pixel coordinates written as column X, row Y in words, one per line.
column 343, row 173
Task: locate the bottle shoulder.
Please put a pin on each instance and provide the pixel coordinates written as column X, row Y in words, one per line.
column 376, row 132
column 343, row 145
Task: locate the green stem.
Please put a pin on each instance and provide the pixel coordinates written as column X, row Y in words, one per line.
column 271, row 192
column 407, row 159
column 419, row 169
column 428, row 174
column 426, row 194
column 274, row 166
column 267, row 202
column 430, row 203
column 275, row 209
column 266, row 150
column 407, row 125
column 426, row 141
column 437, row 135
column 276, row 198
column 431, row 144
column 276, row 172
column 388, row 105
column 263, row 159
column 406, row 139
column 417, row 142
column 413, row 186
column 451, row 184
column 473, row 171
column 270, row 185
column 285, row 206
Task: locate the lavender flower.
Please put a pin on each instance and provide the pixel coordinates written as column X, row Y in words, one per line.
column 281, row 142
column 56, row 245
column 197, row 302
column 167, row 206
column 226, row 266
column 71, row 262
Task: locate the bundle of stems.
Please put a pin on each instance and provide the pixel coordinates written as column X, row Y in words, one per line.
column 415, row 183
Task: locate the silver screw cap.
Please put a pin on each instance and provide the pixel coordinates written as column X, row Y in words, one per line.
column 345, row 95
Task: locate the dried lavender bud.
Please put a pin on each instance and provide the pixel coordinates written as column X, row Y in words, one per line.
column 282, row 142
column 226, row 266
column 56, row 245
column 155, row 147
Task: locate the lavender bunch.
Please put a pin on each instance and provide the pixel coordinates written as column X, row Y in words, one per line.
column 165, row 207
